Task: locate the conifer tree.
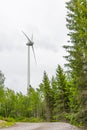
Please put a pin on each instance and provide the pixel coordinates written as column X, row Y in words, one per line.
column 48, row 99
column 77, row 49
column 77, row 25
column 62, row 93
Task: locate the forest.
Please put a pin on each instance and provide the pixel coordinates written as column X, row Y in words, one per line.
column 64, row 96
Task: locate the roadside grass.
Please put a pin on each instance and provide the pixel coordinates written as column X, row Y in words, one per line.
column 6, row 123
column 31, row 119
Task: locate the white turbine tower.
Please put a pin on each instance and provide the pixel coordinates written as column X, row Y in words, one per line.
column 30, row 43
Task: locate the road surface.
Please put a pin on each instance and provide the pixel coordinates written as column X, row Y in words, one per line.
column 42, row 126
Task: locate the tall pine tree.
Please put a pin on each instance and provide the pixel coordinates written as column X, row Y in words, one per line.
column 61, row 95
column 77, row 58
column 47, row 96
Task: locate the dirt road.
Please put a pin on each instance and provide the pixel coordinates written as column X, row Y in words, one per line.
column 42, row 126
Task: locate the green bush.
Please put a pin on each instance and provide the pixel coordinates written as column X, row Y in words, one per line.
column 81, row 118
column 78, row 119
column 71, row 117
column 9, row 119
column 61, row 117
column 33, row 119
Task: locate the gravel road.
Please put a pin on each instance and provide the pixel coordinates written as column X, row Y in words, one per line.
column 42, row 126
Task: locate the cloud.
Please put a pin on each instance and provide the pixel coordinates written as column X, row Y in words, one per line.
column 46, row 20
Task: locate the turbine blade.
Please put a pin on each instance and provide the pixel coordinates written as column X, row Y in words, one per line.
column 32, row 38
column 26, row 36
column 34, row 54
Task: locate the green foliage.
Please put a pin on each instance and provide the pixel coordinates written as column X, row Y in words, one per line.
column 6, row 124
column 33, row 119
column 2, row 79
column 71, row 117
column 62, row 93
column 64, row 96
column 9, row 119
column 45, row 87
column 81, row 118
column 74, row 103
column 77, row 58
column 35, row 103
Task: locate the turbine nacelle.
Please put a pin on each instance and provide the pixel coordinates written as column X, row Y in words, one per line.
column 30, row 43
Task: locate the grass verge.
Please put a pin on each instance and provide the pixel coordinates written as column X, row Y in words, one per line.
column 5, row 124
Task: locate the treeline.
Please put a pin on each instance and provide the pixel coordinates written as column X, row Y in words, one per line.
column 64, row 96
column 53, row 100
column 46, row 102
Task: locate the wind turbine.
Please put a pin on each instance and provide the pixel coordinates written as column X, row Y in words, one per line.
column 30, row 43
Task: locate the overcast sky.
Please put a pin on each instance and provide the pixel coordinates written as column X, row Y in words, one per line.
column 46, row 20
